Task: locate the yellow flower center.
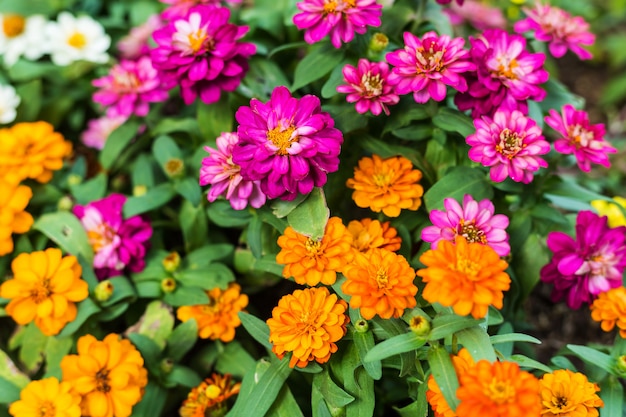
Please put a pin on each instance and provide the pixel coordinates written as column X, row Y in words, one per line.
column 505, row 68
column 350, row 3
column 77, row 40
column 313, row 247
column 47, row 409
column 467, row 267
column 329, row 7
column 125, row 82
column 429, row 59
column 383, row 179
column 500, row 391
column 41, row 291
column 579, row 136
column 100, row 237
column 510, row 143
column 282, row 139
column 13, row 25
column 211, row 307
column 471, row 233
column 212, row 391
column 372, row 85
column 102, row 381
column 200, row 40
column 382, row 278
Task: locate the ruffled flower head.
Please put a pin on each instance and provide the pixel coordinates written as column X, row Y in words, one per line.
column 610, row 309
column 387, row 185
column 309, row 261
column 74, row 39
column 201, row 53
column 129, row 88
column 99, row 130
column 556, row 26
column 368, row 86
column 506, row 76
column 219, row 318
column 219, row 170
column 21, row 36
column 478, row 14
column 308, row 323
column 45, row 289
column 210, row 397
column 369, row 234
column 579, row 137
column 469, row 277
column 287, row 144
column 119, row 244
column 339, row 18
column 179, row 8
column 473, row 220
column 569, row 394
column 47, row 398
column 588, row 265
column 13, row 217
column 510, row 144
column 428, row 64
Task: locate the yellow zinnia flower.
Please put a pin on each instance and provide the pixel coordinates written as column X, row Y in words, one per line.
column 307, row 323
column 46, row 398
column 380, row 282
column 467, row 276
column 219, row 318
column 369, row 234
column 462, row 361
column 13, row 218
column 32, row 150
column 610, row 309
column 44, row 288
column 611, row 210
column 209, row 398
column 108, row 374
column 569, row 394
column 310, row 262
column 387, row 185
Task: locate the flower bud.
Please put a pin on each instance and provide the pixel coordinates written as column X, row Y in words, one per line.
column 74, row 179
column 174, row 167
column 168, row 285
column 167, row 365
column 171, row 262
column 361, row 325
column 139, row 190
column 379, row 42
column 620, row 366
column 419, row 325
column 65, row 203
column 103, row 291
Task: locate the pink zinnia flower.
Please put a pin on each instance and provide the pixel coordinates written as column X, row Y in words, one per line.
column 556, row 26
column 339, row 18
column 99, row 130
column 180, row 8
column 119, row 244
column 510, row 144
column 287, row 144
column 219, row 170
column 474, row 221
column 506, row 76
column 459, row 2
column 584, row 267
column 368, row 87
column 425, row 66
column 200, row 53
column 579, row 137
column 135, row 44
column 129, row 88
column 479, row 15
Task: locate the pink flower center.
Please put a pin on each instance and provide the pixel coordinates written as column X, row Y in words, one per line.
column 282, row 138
column 429, row 56
column 470, row 232
column 125, row 82
column 100, row 236
column 580, row 137
column 510, row 143
column 371, row 85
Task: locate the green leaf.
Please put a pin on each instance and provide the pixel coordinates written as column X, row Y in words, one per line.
column 285, row 405
column 10, row 373
column 186, row 296
column 263, row 76
column 612, row 393
column 526, row 362
column 593, row 357
column 152, row 402
column 215, row 275
column 117, row 141
column 418, row 408
column 335, row 80
column 183, row 376
column 67, row 232
column 257, row 328
column 254, row 236
column 309, row 218
column 190, row 190
column 454, row 121
column 123, row 290
column 443, row 326
column 406, row 342
column 222, row 214
column 182, row 339
column 91, row 190
column 9, row 392
column 205, row 255
column 194, row 225
column 142, row 173
column 316, row 64
column 165, row 149
column 32, row 350
column 476, row 341
column 357, row 383
column 364, row 342
column 234, row 360
column 156, row 323
column 29, row 109
column 150, row 351
column 444, row 374
column 86, row 309
column 346, row 118
column 513, row 337
column 169, row 124
column 215, row 119
column 332, row 393
column 56, row 349
column 458, row 182
column 155, row 197
column 281, row 208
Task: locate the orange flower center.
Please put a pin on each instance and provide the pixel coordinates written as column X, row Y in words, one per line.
column 77, row 40
column 125, row 82
column 505, row 68
column 102, row 381
column 579, row 136
column 101, row 236
column 313, row 247
column 383, row 179
column 430, row 59
column 282, row 139
column 200, row 40
column 329, row 7
column 372, row 85
column 510, row 143
column 47, row 409
column 211, row 307
column 467, row 267
column 350, row 3
column 382, row 279
column 471, row 233
column 41, row 291
column 500, row 391
column 13, row 25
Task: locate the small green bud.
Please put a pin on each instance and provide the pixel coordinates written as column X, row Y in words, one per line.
column 167, row 365
column 139, row 190
column 379, row 42
column 361, row 325
column 620, row 366
column 74, row 179
column 103, row 291
column 420, row 325
column 168, row 285
column 174, row 167
column 65, row 203
column 171, row 262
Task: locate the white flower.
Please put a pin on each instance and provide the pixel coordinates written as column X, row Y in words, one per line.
column 73, row 38
column 21, row 36
column 9, row 101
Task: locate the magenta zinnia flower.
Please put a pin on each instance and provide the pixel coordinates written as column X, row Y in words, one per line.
column 339, row 18
column 219, row 170
column 474, row 221
column 506, row 76
column 368, row 87
column 459, row 2
column 479, row 15
column 99, row 130
column 510, row 144
column 425, row 66
column 119, row 244
column 200, row 53
column 287, row 144
column 579, row 137
column 584, row 267
column 556, row 26
column 135, row 44
column 129, row 88
column 178, row 8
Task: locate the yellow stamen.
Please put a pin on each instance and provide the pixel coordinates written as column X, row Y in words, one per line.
column 77, row 40
column 282, row 138
column 13, row 25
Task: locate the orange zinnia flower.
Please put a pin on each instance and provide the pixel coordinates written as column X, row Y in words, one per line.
column 380, row 282
column 610, row 309
column 32, row 150
column 307, row 323
column 219, row 318
column 44, row 288
column 109, row 375
column 467, row 276
column 209, row 398
column 46, row 398
column 462, row 361
column 13, row 218
column 497, row 389
column 569, row 394
column 369, row 234
column 388, row 184
column 310, row 261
